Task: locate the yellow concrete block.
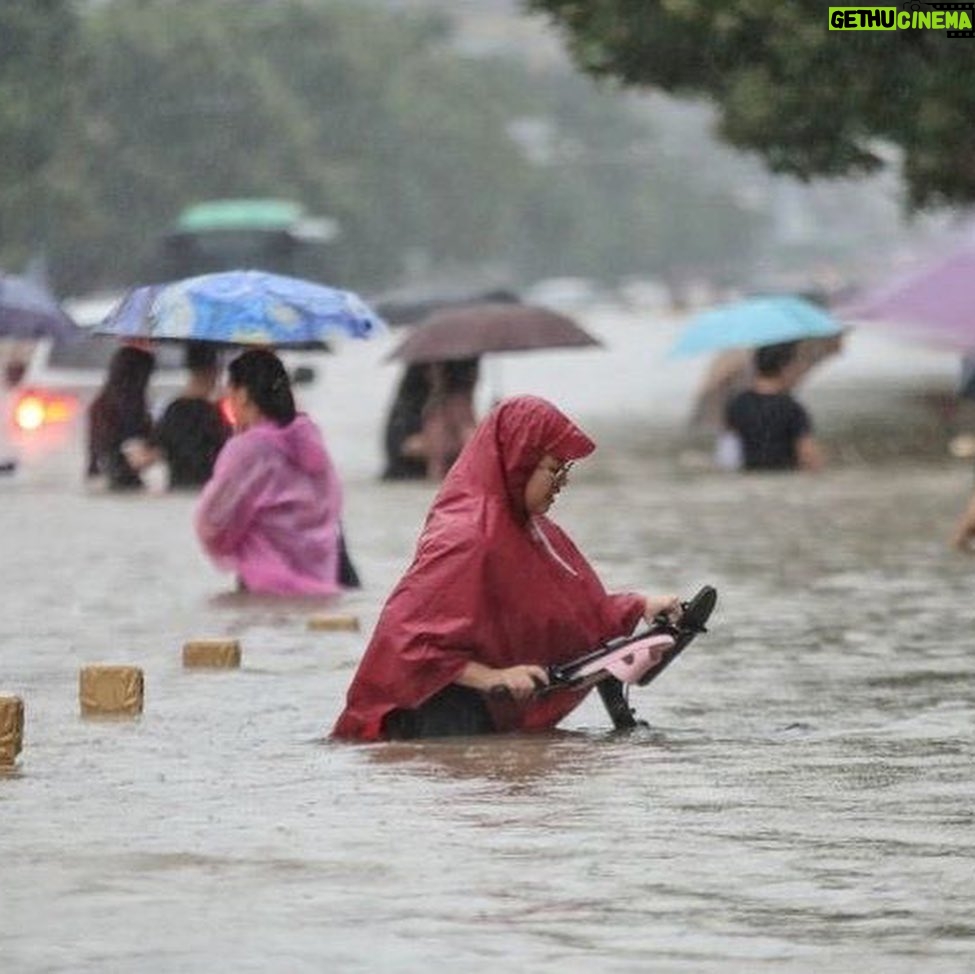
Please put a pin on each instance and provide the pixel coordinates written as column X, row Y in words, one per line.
column 334, row 623
column 11, row 729
column 115, row 690
column 216, row 653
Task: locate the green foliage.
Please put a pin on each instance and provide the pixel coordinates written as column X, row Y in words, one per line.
column 620, row 198
column 119, row 119
column 811, row 101
column 356, row 114
column 38, row 57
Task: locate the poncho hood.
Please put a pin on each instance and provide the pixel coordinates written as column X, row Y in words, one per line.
column 299, row 442
column 507, row 448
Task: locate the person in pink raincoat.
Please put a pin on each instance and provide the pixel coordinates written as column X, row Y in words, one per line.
column 271, row 512
column 496, row 592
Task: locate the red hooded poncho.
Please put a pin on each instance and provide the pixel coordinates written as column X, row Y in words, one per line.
column 489, row 583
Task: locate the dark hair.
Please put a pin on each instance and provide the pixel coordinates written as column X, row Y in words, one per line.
column 460, row 375
column 412, row 392
column 200, row 356
column 120, row 411
column 14, row 371
column 263, row 375
column 128, row 374
column 770, row 360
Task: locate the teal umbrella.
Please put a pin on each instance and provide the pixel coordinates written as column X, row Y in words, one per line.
column 755, row 322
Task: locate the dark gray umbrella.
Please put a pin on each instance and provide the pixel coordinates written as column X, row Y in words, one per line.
column 28, row 310
column 467, row 331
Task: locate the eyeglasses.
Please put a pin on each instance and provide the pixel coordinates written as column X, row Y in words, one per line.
column 561, row 473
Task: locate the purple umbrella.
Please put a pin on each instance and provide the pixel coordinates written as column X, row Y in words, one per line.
column 28, row 310
column 935, row 304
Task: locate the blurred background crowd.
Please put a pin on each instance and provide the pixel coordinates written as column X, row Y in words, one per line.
column 438, row 156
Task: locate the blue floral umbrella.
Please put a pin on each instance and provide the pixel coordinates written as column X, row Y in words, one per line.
column 755, row 322
column 243, row 308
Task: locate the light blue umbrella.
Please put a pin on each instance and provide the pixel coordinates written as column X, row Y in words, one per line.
column 755, row 322
column 243, row 308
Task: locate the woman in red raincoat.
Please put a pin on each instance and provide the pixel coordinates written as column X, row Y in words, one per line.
column 496, row 593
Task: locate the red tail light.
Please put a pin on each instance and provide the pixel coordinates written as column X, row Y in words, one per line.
column 35, row 409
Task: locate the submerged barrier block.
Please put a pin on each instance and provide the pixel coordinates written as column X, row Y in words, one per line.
column 212, row 653
column 111, row 690
column 11, row 729
column 334, row 623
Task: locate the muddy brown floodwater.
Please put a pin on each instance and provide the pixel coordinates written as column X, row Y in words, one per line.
column 802, row 800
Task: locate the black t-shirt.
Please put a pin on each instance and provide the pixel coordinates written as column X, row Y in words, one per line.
column 769, row 425
column 191, row 433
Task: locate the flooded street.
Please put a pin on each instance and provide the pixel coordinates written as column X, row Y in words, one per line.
column 802, row 801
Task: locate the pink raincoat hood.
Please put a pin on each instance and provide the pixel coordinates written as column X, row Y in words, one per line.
column 299, row 442
column 271, row 511
column 489, row 583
